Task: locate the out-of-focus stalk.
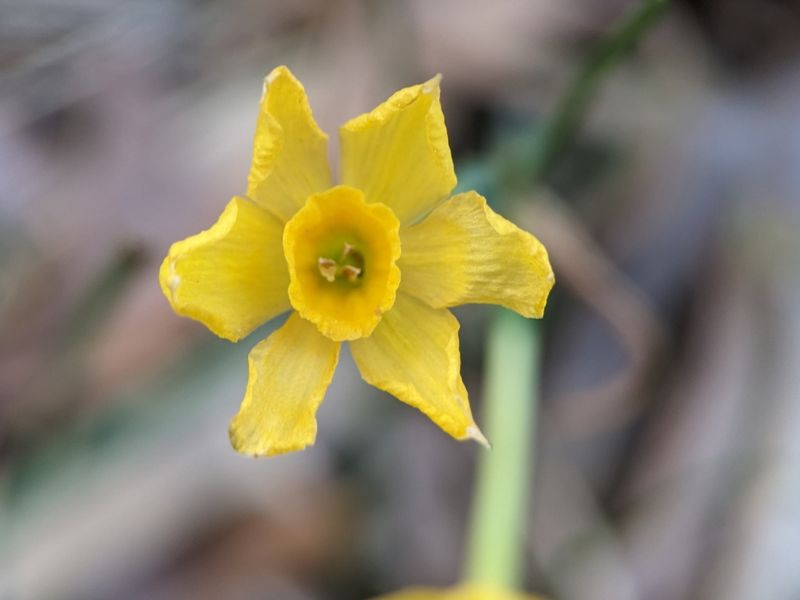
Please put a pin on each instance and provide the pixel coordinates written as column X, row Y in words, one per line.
column 505, row 475
column 503, row 481
column 566, row 119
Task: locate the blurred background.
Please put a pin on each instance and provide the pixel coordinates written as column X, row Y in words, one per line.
column 668, row 456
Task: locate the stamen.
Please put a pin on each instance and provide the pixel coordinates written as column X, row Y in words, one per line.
column 351, row 273
column 349, row 267
column 327, row 268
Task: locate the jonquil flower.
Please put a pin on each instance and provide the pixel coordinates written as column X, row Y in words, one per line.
column 375, row 261
column 473, row 591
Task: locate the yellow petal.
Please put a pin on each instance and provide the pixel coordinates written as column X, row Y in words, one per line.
column 398, row 154
column 467, row 591
column 290, row 159
column 349, row 305
column 232, row 277
column 289, row 373
column 413, row 354
column 464, row 252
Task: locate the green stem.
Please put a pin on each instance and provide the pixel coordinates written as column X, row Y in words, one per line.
column 503, row 481
column 527, row 159
column 101, row 296
column 505, row 475
column 620, row 42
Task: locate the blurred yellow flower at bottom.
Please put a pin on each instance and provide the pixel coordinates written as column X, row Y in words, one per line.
column 472, row 591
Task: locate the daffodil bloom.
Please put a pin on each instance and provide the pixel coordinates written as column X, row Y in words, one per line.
column 471, row 591
column 375, row 261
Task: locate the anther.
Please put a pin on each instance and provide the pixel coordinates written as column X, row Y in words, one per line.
column 327, row 268
column 351, row 273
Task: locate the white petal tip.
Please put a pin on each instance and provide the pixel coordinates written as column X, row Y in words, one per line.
column 475, row 434
column 174, row 282
column 274, row 74
column 430, row 86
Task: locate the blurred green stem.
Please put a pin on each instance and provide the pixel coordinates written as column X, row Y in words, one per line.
column 624, row 38
column 505, row 475
column 102, row 296
column 500, row 501
column 526, row 160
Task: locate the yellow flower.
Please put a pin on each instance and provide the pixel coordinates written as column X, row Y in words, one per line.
column 375, row 261
column 471, row 591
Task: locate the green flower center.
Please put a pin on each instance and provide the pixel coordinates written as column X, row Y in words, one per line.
column 345, row 265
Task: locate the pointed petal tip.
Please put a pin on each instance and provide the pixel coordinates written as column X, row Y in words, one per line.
column 277, row 72
column 475, row 434
column 168, row 278
column 432, row 84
